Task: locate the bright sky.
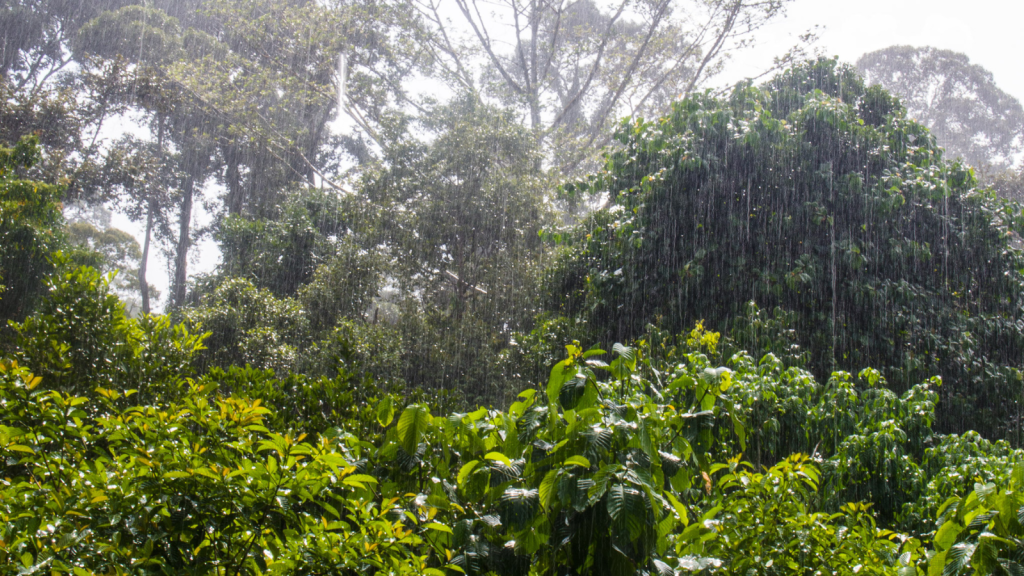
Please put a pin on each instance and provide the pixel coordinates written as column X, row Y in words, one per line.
column 988, row 31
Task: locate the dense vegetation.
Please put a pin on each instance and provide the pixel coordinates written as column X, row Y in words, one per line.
column 775, row 331
column 814, row 197
column 663, row 458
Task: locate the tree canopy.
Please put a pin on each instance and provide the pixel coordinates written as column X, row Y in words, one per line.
column 958, row 101
column 817, row 196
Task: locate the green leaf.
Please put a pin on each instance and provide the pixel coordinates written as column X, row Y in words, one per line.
column 937, row 563
column 947, row 534
column 616, row 501
column 438, row 527
column 547, row 489
column 412, row 425
column 498, row 457
column 577, row 461
column 561, row 373
column 362, row 478
column 957, row 558
column 465, row 471
column 385, row 411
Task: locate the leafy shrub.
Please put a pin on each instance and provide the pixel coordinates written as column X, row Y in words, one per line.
column 80, row 338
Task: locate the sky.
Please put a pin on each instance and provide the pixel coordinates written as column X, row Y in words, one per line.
column 990, row 32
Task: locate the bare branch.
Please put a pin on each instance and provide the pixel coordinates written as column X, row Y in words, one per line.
column 485, row 41
column 593, row 70
column 463, row 76
column 717, row 46
column 627, row 77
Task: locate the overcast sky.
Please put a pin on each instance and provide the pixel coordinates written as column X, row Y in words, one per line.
column 990, row 32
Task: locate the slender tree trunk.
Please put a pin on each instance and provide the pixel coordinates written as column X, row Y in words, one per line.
column 236, row 196
column 150, row 210
column 143, row 284
column 181, row 257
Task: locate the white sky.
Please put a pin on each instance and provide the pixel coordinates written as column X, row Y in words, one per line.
column 990, row 32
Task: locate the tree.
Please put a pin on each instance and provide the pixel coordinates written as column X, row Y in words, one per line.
column 574, row 68
column 117, row 252
column 958, row 101
column 461, row 216
column 31, row 230
column 1010, row 184
column 817, row 196
column 243, row 91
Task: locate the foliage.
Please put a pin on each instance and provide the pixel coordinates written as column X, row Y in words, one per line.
column 80, row 338
column 197, row 486
column 819, row 198
column 460, row 216
column 30, row 230
column 980, row 533
column 115, row 251
column 1010, row 184
column 311, row 233
column 249, row 326
column 117, row 462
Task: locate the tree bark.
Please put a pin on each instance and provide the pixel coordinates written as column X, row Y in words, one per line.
column 181, row 256
column 143, row 284
column 236, row 196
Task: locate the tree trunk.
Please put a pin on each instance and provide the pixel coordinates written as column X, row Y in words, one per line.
column 181, row 257
column 236, row 196
column 143, row 284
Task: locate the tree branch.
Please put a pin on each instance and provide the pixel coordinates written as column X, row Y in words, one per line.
column 485, row 41
column 593, row 70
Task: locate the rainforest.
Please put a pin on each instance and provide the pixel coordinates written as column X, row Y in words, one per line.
column 388, row 287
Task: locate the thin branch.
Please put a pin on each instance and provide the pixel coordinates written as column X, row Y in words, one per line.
column 485, row 41
column 464, row 77
column 593, row 71
column 554, row 43
column 717, row 46
column 627, row 77
column 530, row 88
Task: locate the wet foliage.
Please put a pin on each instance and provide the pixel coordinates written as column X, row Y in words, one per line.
column 816, row 196
column 778, row 332
column 665, row 457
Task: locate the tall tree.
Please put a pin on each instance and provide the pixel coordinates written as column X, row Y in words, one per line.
column 244, row 90
column 958, row 101
column 31, row 230
column 574, row 67
column 461, row 214
column 817, row 196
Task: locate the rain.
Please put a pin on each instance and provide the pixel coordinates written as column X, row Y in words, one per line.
column 511, row 287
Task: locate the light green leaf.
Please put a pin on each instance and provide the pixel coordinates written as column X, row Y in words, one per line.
column 362, row 478
column 412, row 425
column 498, row 457
column 438, row 527
column 947, row 534
column 547, row 489
column 560, row 374
column 466, row 470
column 577, row 461
column 385, row 411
